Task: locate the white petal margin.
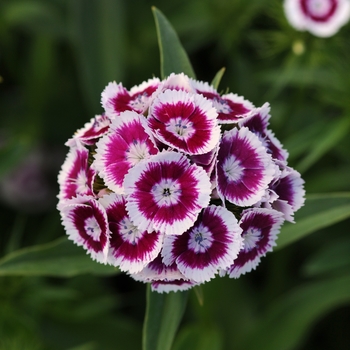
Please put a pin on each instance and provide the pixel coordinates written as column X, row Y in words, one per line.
column 172, row 286
column 86, row 224
column 300, row 21
column 213, row 243
column 165, row 193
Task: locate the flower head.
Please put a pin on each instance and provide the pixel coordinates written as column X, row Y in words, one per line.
column 175, row 183
column 322, row 18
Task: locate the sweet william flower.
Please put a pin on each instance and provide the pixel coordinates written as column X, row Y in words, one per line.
column 127, row 143
column 86, row 224
column 322, row 18
column 259, row 233
column 176, row 184
column 166, row 193
column 130, row 248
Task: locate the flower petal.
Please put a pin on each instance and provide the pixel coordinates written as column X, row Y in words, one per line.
column 89, row 134
column 230, row 107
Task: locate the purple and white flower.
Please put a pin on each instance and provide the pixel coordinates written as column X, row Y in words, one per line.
column 130, row 249
column 287, row 193
column 165, row 193
column 117, row 99
column 257, row 121
column 91, row 132
column 184, row 121
column 244, row 168
column 260, row 229
column 76, row 177
column 211, row 244
column 155, row 187
column 231, row 108
column 322, row 18
column 127, row 143
column 86, row 224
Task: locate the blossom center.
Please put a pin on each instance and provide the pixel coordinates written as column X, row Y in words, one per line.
column 166, row 193
column 251, row 238
column 129, row 232
column 136, row 152
column 92, row 228
column 232, row 168
column 319, row 7
column 221, row 105
column 200, row 239
column 139, row 102
column 81, row 182
column 180, row 127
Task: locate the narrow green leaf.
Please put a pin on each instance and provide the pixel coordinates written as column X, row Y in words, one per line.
column 320, row 211
column 199, row 337
column 333, row 258
column 199, row 294
column 97, row 28
column 61, row 258
column 216, row 81
column 333, row 134
column 163, row 316
column 287, row 320
column 173, row 57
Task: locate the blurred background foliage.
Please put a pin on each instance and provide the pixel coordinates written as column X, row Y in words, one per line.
column 56, row 56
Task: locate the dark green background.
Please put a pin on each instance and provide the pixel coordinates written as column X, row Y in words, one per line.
column 56, row 56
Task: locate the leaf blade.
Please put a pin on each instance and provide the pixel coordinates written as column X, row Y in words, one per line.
column 163, row 316
column 173, row 57
column 320, row 211
column 60, row 258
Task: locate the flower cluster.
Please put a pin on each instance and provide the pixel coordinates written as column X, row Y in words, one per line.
column 322, row 18
column 175, row 183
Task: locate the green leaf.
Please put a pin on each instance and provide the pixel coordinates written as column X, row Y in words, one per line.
column 199, row 337
column 216, row 81
column 320, row 211
column 332, row 258
column 98, row 32
column 173, row 57
column 287, row 320
column 163, row 316
column 61, row 258
column 333, row 134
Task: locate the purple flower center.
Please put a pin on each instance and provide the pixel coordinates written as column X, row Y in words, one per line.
column 251, row 238
column 200, row 239
column 232, row 169
column 319, row 10
column 167, row 192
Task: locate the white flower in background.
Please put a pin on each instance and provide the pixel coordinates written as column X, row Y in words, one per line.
column 322, row 18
